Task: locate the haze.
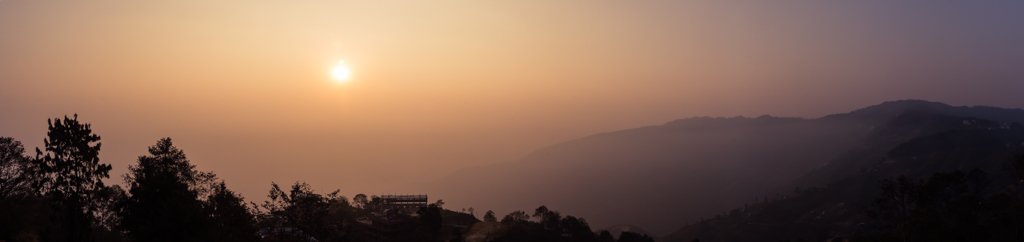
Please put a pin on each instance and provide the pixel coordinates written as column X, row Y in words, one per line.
column 244, row 87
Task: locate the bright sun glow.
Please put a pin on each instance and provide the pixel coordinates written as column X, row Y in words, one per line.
column 341, row 72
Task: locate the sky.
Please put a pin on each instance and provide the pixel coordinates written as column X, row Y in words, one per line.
column 244, row 87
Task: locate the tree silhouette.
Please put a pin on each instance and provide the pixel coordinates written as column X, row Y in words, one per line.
column 302, row 214
column 605, row 236
column 1016, row 168
column 945, row 207
column 231, row 219
column 68, row 171
column 896, row 204
column 540, row 212
column 576, row 229
column 23, row 215
column 273, row 217
column 108, row 213
column 551, row 220
column 549, row 225
column 430, row 222
column 634, row 237
column 489, row 216
column 163, row 203
column 457, row 236
column 69, row 166
column 515, row 217
column 14, row 164
column 360, row 200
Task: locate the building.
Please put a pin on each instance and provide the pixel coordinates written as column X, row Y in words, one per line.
column 404, row 202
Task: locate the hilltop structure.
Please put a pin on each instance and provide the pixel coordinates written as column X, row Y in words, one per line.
column 403, row 202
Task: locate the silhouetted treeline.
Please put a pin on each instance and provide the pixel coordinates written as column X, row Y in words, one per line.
column 956, row 206
column 544, row 225
column 59, row 195
column 923, row 175
column 946, row 206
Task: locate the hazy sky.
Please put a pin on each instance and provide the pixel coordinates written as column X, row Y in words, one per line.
column 244, row 86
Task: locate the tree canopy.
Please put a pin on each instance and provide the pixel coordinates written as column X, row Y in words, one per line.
column 164, row 202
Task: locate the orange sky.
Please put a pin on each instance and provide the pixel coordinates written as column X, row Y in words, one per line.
column 243, row 86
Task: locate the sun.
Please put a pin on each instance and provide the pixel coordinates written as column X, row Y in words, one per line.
column 341, row 73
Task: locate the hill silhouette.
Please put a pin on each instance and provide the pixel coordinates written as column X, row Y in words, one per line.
column 663, row 177
column 842, row 209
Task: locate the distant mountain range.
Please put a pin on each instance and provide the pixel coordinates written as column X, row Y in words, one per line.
column 687, row 172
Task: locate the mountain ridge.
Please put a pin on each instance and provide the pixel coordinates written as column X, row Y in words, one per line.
column 840, row 209
column 686, row 169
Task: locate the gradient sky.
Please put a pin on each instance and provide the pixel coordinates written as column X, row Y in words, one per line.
column 243, row 86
